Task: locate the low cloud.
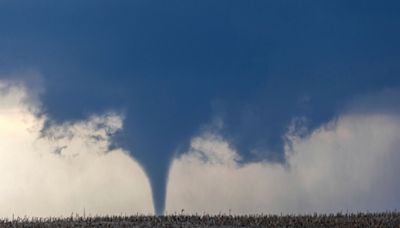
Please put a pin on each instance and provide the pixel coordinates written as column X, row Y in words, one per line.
column 68, row 169
column 350, row 164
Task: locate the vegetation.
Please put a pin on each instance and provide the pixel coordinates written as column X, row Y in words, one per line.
column 391, row 219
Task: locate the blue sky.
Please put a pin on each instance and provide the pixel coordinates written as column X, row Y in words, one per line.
column 175, row 67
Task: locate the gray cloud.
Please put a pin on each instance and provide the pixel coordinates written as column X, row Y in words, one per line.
column 350, row 164
column 68, row 172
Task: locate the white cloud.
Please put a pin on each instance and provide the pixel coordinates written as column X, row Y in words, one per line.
column 68, row 171
column 351, row 164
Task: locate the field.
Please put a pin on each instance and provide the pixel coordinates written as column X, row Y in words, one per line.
column 333, row 220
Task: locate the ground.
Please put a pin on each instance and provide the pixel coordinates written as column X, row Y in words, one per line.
column 391, row 219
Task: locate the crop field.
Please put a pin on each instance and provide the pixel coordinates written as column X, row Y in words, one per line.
column 391, row 219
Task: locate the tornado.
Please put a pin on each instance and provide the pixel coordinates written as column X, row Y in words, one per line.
column 172, row 68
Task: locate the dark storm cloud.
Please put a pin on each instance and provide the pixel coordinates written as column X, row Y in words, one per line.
column 172, row 67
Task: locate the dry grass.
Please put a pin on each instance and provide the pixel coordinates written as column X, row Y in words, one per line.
column 391, row 219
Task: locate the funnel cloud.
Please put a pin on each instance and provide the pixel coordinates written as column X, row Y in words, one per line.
column 174, row 69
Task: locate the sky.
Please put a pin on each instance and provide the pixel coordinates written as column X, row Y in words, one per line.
column 258, row 92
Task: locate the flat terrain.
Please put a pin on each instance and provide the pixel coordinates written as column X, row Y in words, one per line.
column 333, row 220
